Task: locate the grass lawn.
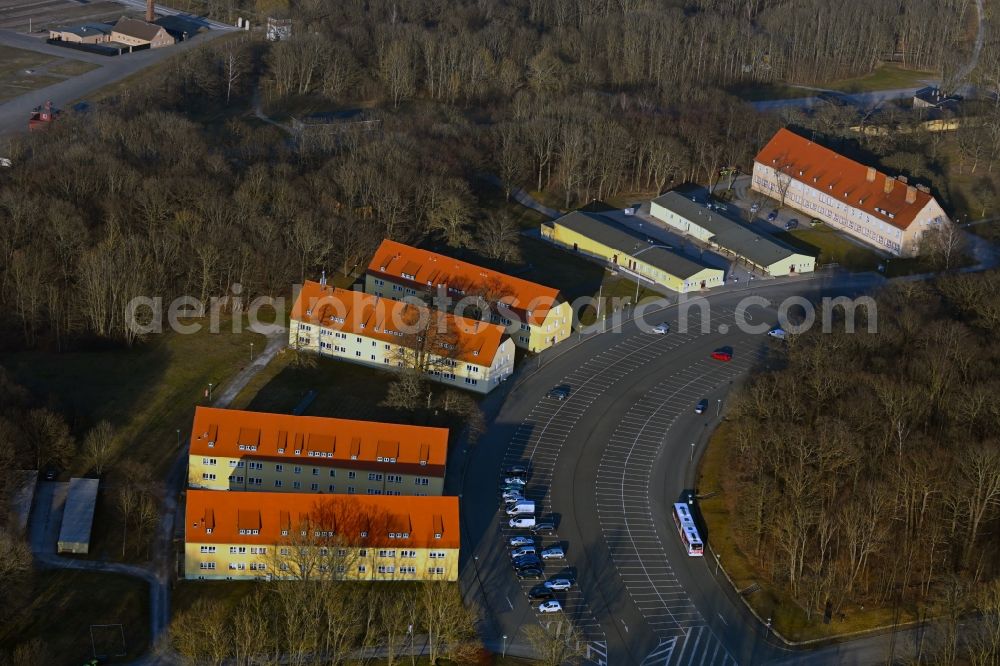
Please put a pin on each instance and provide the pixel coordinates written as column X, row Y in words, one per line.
column 789, row 618
column 45, row 70
column 187, row 592
column 760, row 92
column 832, row 247
column 147, row 393
column 343, row 390
column 885, row 77
column 70, row 68
column 65, row 603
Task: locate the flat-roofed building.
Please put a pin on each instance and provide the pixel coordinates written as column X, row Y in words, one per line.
column 255, row 451
column 392, row 335
column 619, row 248
column 732, row 237
column 78, row 516
column 873, row 207
column 299, row 536
column 534, row 315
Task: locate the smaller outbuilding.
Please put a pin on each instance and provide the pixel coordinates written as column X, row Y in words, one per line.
column 78, row 516
column 136, row 32
column 86, row 33
column 602, row 239
column 760, row 250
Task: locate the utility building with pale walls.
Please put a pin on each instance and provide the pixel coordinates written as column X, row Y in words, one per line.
column 301, row 536
column 391, row 335
column 729, row 236
column 533, row 314
column 599, row 238
column 255, row 451
column 879, row 210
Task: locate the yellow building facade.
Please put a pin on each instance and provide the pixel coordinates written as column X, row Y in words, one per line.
column 384, row 333
column 289, row 536
column 599, row 238
column 255, row 451
column 534, row 315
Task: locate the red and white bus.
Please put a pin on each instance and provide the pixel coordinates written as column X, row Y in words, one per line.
column 687, row 530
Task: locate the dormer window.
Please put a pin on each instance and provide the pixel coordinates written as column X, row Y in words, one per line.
column 208, row 530
column 475, row 352
column 281, row 450
column 364, row 534
column 211, row 445
column 437, row 535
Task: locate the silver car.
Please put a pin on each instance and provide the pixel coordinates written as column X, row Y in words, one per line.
column 554, row 553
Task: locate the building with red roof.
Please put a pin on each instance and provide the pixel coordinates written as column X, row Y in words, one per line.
column 876, row 208
column 534, row 315
column 304, row 536
column 232, row 449
column 390, row 334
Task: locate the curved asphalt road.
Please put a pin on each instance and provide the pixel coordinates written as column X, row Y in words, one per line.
column 607, row 463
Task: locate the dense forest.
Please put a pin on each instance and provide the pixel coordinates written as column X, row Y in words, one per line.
column 174, row 185
column 868, row 467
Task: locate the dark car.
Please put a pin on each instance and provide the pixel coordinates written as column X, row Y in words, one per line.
column 791, row 224
column 527, row 561
column 51, row 474
column 772, row 216
column 541, row 592
column 532, row 572
column 701, row 406
column 544, row 527
column 517, row 470
column 560, row 392
column 723, row 354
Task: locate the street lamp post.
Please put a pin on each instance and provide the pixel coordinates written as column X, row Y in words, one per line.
column 251, row 352
column 691, row 459
column 718, row 406
column 210, row 391
column 178, row 438
column 505, row 646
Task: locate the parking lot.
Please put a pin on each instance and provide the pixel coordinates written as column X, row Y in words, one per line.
column 626, row 512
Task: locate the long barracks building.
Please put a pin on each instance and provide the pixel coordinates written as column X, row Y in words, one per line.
column 876, row 208
column 254, row 451
column 536, row 318
column 296, row 536
column 388, row 334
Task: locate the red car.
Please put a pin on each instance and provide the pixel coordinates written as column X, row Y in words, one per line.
column 723, row 354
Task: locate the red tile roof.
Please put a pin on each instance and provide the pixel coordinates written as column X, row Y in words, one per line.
column 235, row 434
column 385, row 319
column 843, row 179
column 429, row 269
column 416, row 522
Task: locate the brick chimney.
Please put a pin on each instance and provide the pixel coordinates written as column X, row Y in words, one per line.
column 870, row 176
column 150, row 11
column 889, row 182
column 911, row 194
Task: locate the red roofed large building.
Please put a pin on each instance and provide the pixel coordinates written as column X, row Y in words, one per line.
column 296, row 536
column 389, row 334
column 233, row 449
column 874, row 207
column 533, row 314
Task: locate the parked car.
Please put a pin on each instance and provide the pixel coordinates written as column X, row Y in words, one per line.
column 514, row 481
column 517, row 470
column 519, row 541
column 550, row 606
column 723, row 354
column 541, row 592
column 559, row 584
column 522, row 522
column 531, row 572
column 512, row 494
column 661, row 329
column 815, row 221
column 51, row 474
column 560, row 392
column 754, row 207
column 701, row 406
column 544, row 527
column 520, row 508
column 791, row 224
column 522, row 551
column 772, row 216
column 528, row 562
column 553, row 553
column 778, row 333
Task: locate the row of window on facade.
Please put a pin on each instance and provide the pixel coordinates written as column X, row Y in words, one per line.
column 382, row 568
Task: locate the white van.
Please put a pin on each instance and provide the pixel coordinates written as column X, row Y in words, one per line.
column 521, row 507
column 521, row 521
